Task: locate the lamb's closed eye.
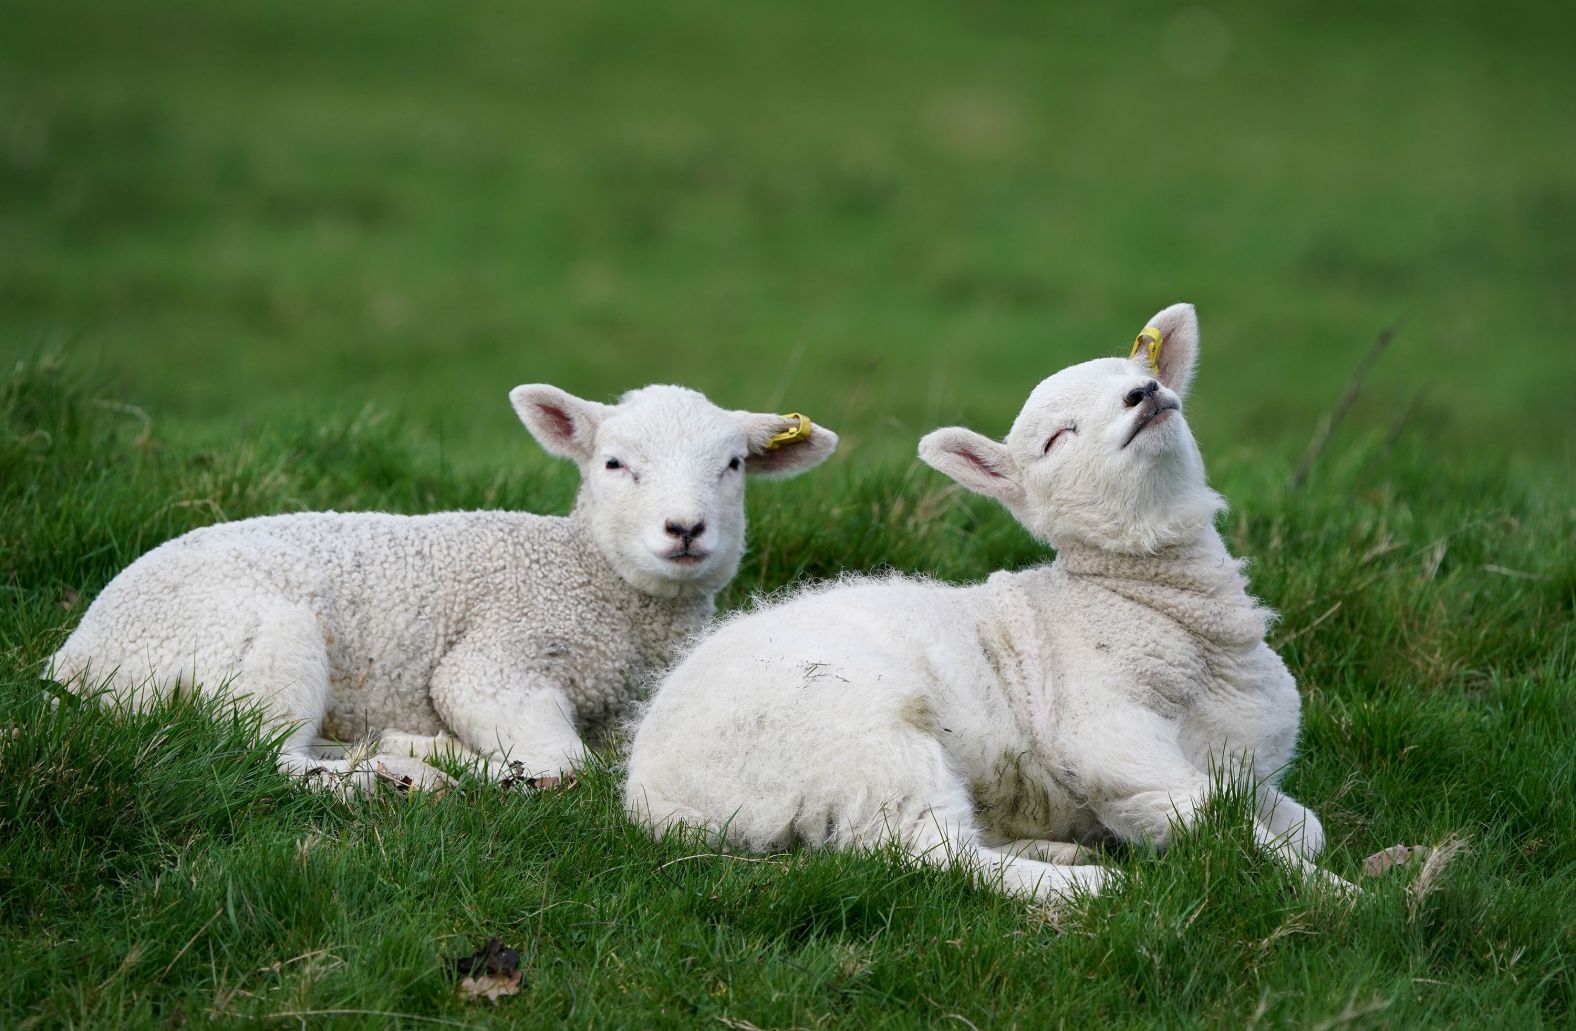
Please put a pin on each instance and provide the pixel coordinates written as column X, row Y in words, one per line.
column 263, row 601
column 1116, row 682
column 1065, row 431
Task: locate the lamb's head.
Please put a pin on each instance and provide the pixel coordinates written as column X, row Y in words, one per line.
column 662, row 476
column 1100, row 454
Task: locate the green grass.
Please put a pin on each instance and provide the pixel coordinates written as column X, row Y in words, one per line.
column 260, row 257
column 157, row 869
column 892, row 216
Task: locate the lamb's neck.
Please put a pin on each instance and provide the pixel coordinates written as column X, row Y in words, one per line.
column 1197, row 582
column 1201, row 564
column 683, row 610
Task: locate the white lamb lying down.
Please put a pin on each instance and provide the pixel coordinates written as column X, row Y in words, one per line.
column 1001, row 724
column 499, row 633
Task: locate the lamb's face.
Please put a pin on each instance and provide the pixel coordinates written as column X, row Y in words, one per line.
column 1100, row 454
column 663, row 477
column 1105, row 456
column 665, row 489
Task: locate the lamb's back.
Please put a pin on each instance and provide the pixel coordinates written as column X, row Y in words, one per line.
column 387, row 587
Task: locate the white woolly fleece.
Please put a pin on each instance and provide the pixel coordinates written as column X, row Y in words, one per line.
column 493, row 633
column 1003, row 724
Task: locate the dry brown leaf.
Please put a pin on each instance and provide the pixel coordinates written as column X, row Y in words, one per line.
column 491, row 986
column 404, row 784
column 491, row 972
column 1384, row 861
column 518, row 778
column 401, row 784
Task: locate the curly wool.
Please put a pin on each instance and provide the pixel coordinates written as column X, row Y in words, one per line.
column 396, row 599
column 489, row 634
column 865, row 683
column 1009, row 724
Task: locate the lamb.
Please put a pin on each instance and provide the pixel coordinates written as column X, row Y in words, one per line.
column 1007, row 724
column 496, row 634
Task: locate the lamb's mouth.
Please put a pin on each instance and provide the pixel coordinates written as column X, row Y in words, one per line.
column 1153, row 414
column 687, row 557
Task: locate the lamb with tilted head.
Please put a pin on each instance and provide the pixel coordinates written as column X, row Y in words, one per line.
column 1007, row 724
column 503, row 634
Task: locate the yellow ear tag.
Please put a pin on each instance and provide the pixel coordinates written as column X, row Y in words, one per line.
column 1150, row 339
column 793, row 436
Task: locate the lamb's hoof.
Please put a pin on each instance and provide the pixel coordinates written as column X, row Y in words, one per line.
column 1085, row 882
column 399, row 743
column 1323, row 881
column 1073, row 884
column 1095, row 880
column 1059, row 853
column 1334, row 885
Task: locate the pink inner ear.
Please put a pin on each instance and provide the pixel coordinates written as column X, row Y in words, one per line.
column 979, row 463
column 562, row 424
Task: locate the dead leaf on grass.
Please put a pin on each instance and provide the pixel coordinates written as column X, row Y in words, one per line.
column 490, row 972
column 1384, row 861
column 401, row 784
column 518, row 778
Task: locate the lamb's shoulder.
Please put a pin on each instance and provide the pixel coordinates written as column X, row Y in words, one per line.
column 554, row 609
column 1168, row 646
column 1061, row 645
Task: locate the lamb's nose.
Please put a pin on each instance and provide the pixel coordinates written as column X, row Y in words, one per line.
column 1135, row 397
column 686, row 532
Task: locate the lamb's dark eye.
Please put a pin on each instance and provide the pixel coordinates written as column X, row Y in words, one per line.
column 734, row 465
column 613, row 463
column 1058, row 436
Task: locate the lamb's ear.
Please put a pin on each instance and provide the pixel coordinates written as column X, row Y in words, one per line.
column 784, row 445
column 1178, row 352
column 562, row 423
column 975, row 461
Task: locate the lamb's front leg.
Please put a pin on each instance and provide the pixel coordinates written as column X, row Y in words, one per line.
column 440, row 746
column 1289, row 819
column 1143, row 788
column 521, row 722
column 494, row 764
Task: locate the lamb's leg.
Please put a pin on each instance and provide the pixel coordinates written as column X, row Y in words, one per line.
column 1285, row 817
column 520, row 722
column 861, row 781
column 931, row 812
column 943, row 834
column 1061, row 853
column 326, row 748
column 282, row 665
column 1143, row 788
column 445, row 747
column 442, row 745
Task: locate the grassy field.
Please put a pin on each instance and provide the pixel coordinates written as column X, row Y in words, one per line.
column 262, row 257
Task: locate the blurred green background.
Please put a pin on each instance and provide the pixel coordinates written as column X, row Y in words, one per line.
column 889, row 215
column 293, row 255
